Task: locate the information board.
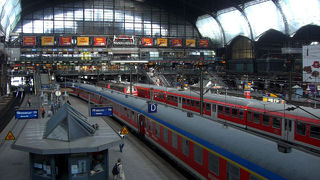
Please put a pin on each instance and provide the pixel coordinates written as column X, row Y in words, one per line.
column 102, row 111
column 26, row 114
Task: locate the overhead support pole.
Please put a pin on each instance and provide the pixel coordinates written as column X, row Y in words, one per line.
column 201, row 91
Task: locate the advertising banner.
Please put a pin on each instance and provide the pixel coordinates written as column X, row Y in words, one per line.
column 162, row 42
column 176, row 42
column 190, row 43
column 47, row 41
column 65, row 41
column 204, row 43
column 147, row 41
column 311, row 63
column 29, row 41
column 99, row 41
column 83, row 41
column 123, row 40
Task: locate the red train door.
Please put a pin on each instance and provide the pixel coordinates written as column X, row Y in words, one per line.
column 141, row 125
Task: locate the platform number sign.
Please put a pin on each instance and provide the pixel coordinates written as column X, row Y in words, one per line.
column 152, row 108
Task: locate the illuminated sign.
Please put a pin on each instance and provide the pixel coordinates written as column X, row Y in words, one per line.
column 83, row 41
column 176, row 42
column 147, row 41
column 102, row 111
column 162, row 42
column 47, row 41
column 29, row 41
column 99, row 41
column 26, row 114
column 65, row 41
column 204, row 43
column 190, row 43
column 123, row 40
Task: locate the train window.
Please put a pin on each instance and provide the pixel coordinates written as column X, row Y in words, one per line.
column 197, row 103
column 266, row 120
column 240, row 114
column 197, row 154
column 234, row 112
column 253, row 177
column 256, row 118
column 276, row 122
column 214, row 163
column 192, row 103
column 188, row 102
column 249, row 116
column 183, row 101
column 213, row 108
column 301, row 128
column 165, row 134
column 174, row 140
column 157, row 129
column 208, row 106
column 220, row 109
column 175, row 99
column 233, row 172
column 315, row 132
column 185, row 146
column 227, row 110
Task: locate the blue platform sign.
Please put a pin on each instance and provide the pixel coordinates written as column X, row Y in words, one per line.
column 102, row 111
column 152, row 108
column 45, row 86
column 26, row 114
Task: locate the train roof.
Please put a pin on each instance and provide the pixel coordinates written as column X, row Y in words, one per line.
column 239, row 146
column 310, row 114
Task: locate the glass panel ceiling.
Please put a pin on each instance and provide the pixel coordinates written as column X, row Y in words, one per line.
column 264, row 16
column 208, row 27
column 300, row 13
column 9, row 15
column 233, row 23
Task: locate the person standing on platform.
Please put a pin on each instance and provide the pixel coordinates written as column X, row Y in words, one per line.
column 43, row 112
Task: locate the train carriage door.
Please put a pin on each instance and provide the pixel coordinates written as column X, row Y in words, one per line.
column 180, row 102
column 288, row 129
column 213, row 111
column 141, row 125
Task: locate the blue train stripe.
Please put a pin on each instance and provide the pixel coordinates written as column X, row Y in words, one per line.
column 243, row 162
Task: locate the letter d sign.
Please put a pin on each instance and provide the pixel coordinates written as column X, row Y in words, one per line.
column 152, row 108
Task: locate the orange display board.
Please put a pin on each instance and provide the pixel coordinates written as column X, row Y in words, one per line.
column 176, row 42
column 29, row 41
column 99, row 41
column 65, row 41
column 162, row 42
column 83, row 41
column 190, row 43
column 147, row 41
column 47, row 41
column 203, row 43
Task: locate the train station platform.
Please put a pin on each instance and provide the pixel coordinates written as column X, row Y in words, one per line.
column 139, row 161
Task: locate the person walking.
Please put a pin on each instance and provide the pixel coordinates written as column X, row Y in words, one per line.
column 43, row 112
column 29, row 102
column 117, row 171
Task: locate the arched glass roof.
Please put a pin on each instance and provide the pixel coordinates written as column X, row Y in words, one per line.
column 209, row 27
column 300, row 13
column 233, row 23
column 262, row 15
column 9, row 15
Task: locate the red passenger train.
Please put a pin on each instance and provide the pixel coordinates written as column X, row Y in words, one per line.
column 207, row 149
column 295, row 125
column 121, row 87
